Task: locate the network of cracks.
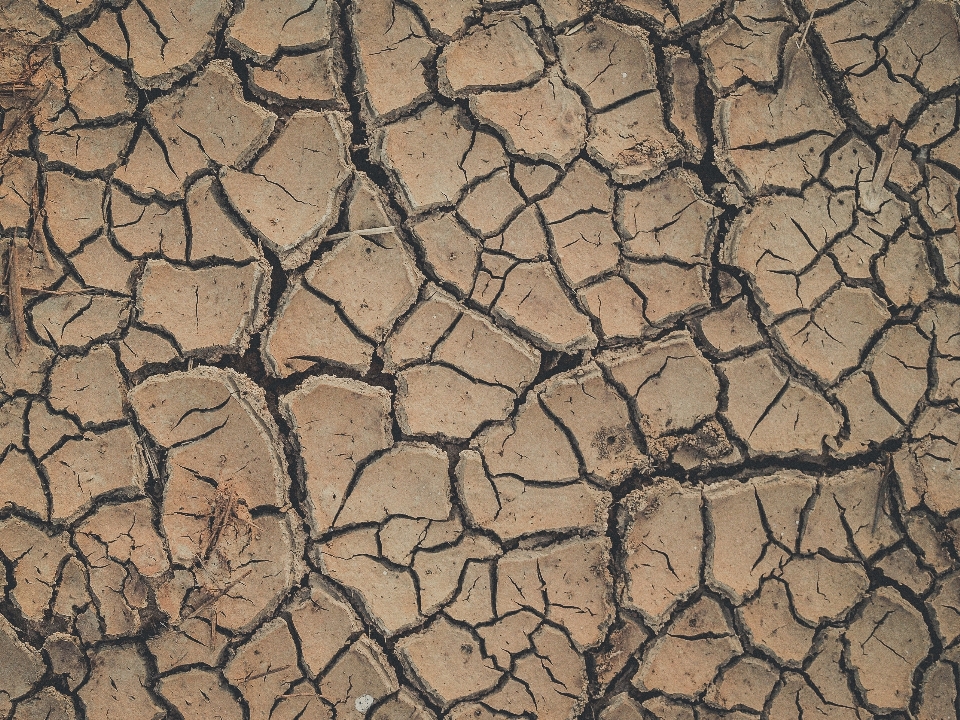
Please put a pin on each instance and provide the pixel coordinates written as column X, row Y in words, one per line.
column 462, row 359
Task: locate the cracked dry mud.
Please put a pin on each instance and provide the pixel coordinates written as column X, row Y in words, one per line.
column 479, row 360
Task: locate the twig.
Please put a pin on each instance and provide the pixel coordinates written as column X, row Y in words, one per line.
column 369, row 231
column 806, row 25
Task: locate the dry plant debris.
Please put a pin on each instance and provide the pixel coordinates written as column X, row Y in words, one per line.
column 479, row 360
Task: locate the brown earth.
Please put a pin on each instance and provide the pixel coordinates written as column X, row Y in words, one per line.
column 479, row 360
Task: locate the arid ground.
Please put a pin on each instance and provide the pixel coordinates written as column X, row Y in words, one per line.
column 477, row 360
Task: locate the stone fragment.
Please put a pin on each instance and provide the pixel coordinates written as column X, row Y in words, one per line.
column 308, row 329
column 545, row 121
column 489, row 56
column 116, row 686
column 163, row 42
column 683, row 663
column 608, row 62
column 771, row 626
column 259, row 29
column 663, row 544
column 447, row 661
column 169, row 298
column 24, row 667
column 198, row 694
column 391, row 47
column 290, row 194
column 884, row 645
column 534, row 302
column 337, row 423
column 632, row 141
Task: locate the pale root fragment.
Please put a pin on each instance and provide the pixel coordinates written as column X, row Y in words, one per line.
column 552, row 123
column 663, row 544
column 233, row 299
column 290, row 195
column 337, row 423
column 373, row 280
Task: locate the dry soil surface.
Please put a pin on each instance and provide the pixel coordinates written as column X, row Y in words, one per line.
column 479, row 360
